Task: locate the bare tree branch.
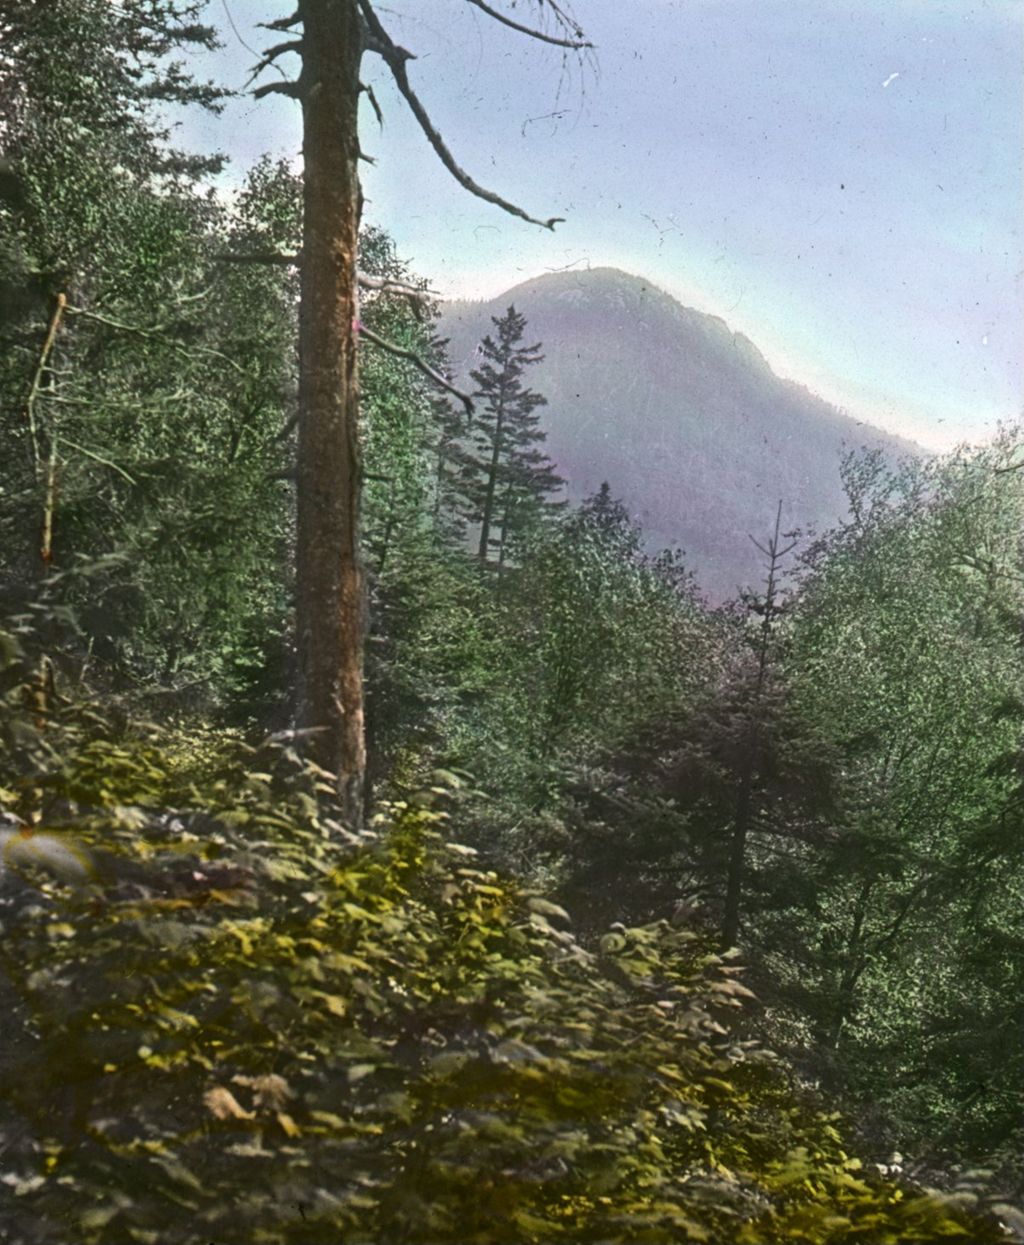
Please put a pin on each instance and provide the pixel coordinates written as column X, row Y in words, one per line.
column 282, row 23
column 402, row 353
column 578, row 43
column 287, row 259
column 234, row 27
column 568, row 22
column 154, row 333
column 291, row 89
column 40, row 371
column 418, row 299
column 106, row 462
column 395, row 58
column 373, row 103
column 270, row 58
column 50, row 504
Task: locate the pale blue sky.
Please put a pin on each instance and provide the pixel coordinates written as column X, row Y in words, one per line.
column 841, row 181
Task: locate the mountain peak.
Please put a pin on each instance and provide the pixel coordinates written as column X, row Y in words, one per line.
column 598, row 283
column 608, row 290
column 682, row 415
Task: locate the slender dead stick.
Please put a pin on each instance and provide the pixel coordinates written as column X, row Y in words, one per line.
column 50, row 504
column 418, row 361
column 37, row 379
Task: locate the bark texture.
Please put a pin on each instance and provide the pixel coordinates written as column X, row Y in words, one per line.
column 330, row 594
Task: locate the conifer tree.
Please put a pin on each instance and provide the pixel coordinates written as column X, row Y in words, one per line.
column 448, row 510
column 508, row 480
column 608, row 515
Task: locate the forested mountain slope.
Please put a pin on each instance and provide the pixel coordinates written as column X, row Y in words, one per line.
column 683, row 417
column 572, row 910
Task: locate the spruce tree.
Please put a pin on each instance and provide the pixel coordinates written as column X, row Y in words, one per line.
column 508, row 480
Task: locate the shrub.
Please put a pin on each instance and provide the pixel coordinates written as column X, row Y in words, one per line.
column 247, row 1025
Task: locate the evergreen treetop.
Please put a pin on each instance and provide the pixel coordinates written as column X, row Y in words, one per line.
column 507, row 478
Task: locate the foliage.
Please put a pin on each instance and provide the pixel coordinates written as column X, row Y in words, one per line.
column 688, row 809
column 230, row 1019
column 584, row 638
column 143, row 386
column 243, row 1029
column 906, row 654
column 881, row 876
column 608, row 635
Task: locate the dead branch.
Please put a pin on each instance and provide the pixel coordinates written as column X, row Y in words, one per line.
column 282, row 23
column 270, row 58
column 402, row 352
column 418, row 299
column 385, row 285
column 578, row 43
column 37, row 376
column 50, row 502
column 154, row 333
column 368, row 90
column 98, row 458
column 378, row 40
column 291, row 89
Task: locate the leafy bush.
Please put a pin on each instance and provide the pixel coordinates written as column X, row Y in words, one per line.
column 243, row 1023
column 249, row 1026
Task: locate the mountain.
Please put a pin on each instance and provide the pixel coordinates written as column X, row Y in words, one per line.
column 683, row 417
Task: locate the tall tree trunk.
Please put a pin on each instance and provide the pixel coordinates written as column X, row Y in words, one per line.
column 487, row 517
column 330, row 605
column 506, row 517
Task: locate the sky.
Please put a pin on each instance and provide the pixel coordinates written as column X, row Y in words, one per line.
column 841, row 181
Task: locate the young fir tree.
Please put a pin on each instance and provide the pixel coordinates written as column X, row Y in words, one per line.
column 507, row 478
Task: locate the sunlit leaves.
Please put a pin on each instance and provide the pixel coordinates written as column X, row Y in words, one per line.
column 389, row 1044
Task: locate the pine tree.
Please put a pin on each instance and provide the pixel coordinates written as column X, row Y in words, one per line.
column 608, row 515
column 755, row 722
column 448, row 510
column 507, row 478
